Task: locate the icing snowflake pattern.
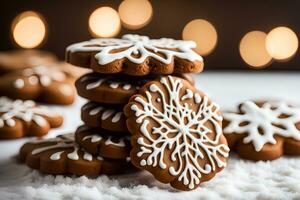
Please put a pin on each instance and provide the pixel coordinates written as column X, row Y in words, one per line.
column 268, row 118
column 137, row 45
column 23, row 110
column 179, row 134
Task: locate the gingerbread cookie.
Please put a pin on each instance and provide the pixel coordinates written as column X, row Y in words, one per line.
column 24, row 118
column 61, row 155
column 177, row 133
column 48, row 84
column 109, row 117
column 115, row 89
column 20, row 59
column 263, row 130
column 136, row 55
column 103, row 143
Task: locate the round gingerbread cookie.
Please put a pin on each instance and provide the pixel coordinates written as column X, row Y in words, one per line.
column 136, row 55
column 61, row 155
column 102, row 143
column 176, row 133
column 109, row 117
column 263, row 130
column 24, row 118
column 48, row 84
column 115, row 89
column 20, row 59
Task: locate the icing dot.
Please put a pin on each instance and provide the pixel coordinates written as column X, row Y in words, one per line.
column 33, row 80
column 143, row 162
column 154, row 88
column 126, row 86
column 19, row 83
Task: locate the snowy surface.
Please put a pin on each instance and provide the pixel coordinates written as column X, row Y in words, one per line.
column 279, row 179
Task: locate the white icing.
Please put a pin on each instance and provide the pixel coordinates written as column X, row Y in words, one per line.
column 127, row 86
column 94, row 138
column 189, row 95
column 61, row 145
column 44, row 75
column 166, row 133
column 96, row 110
column 95, row 84
column 135, row 44
column 117, row 117
column 33, row 80
column 114, row 85
column 19, row 83
column 106, row 113
column 56, row 156
column 264, row 118
column 23, row 110
column 120, row 143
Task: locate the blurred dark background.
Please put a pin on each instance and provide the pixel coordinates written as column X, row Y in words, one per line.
column 68, row 23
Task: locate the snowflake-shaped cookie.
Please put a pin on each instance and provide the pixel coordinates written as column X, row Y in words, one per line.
column 49, row 84
column 62, row 155
column 177, row 133
column 136, row 55
column 24, row 118
column 263, row 123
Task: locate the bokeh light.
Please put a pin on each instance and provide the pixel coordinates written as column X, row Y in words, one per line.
column 281, row 43
column 135, row 14
column 253, row 50
column 203, row 33
column 29, row 29
column 104, row 22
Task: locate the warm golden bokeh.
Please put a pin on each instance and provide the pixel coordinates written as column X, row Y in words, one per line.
column 281, row 43
column 104, row 22
column 203, row 33
column 253, row 50
column 135, row 14
column 29, row 29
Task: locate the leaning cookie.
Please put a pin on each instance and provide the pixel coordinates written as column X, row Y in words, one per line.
column 20, row 59
column 263, row 130
column 103, row 143
column 136, row 55
column 115, row 89
column 47, row 84
column 108, row 117
column 24, row 118
column 176, row 133
column 61, row 155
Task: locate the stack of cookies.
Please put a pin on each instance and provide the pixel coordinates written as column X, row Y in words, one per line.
column 119, row 68
column 136, row 113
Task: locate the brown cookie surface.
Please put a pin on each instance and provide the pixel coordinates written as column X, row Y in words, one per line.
column 24, row 118
column 48, row 84
column 20, row 59
column 61, row 155
column 115, row 89
column 263, row 130
column 177, row 133
column 136, row 55
column 102, row 143
column 109, row 117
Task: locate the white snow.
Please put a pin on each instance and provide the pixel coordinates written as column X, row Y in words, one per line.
column 279, row 179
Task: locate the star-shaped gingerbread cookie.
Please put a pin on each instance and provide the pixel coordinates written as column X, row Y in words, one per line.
column 263, row 130
column 24, row 118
